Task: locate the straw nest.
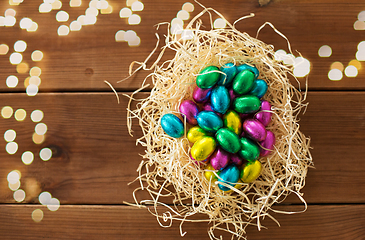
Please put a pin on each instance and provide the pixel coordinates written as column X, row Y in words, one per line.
column 177, row 186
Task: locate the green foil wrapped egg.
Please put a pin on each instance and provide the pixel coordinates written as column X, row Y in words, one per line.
column 249, row 149
column 228, row 140
column 208, row 77
column 251, row 171
column 247, row 104
column 243, row 82
column 195, row 133
column 233, row 121
column 203, row 148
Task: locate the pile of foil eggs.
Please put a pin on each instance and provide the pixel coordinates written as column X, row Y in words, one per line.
column 228, row 122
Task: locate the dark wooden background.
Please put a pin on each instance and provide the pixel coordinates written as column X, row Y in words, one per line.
column 96, row 158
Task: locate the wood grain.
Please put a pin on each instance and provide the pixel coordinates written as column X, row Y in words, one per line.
column 96, row 158
column 121, row 222
column 82, row 60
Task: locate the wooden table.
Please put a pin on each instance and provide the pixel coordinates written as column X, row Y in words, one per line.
column 94, row 158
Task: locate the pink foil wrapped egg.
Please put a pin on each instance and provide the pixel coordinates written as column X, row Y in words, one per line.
column 254, row 129
column 219, row 159
column 190, row 110
column 267, row 145
column 263, row 116
column 201, row 95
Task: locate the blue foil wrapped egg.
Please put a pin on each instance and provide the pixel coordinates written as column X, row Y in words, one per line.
column 248, row 67
column 259, row 88
column 220, row 99
column 230, row 176
column 229, row 71
column 209, row 121
column 172, row 125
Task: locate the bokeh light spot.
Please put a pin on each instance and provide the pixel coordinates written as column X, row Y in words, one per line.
column 13, row 176
column 183, row 15
column 337, row 65
column 35, row 71
column 10, row 12
column 361, row 16
column 189, row 7
column 45, row 8
column 137, row 6
column 35, row 80
column 20, row 46
column 31, row 90
column 219, row 23
column 12, row 81
column 56, row 5
column 37, row 215
column 40, row 129
column 91, row 11
column 107, row 10
column 4, row 49
column 90, row 20
column 62, row 16
column 325, row 51
column 134, row 19
column 335, row 75
column 25, row 23
column 20, row 115
column 351, row 71
column 27, row 157
column 38, row 139
column 44, row 198
column 54, row 205
column 11, row 148
column 14, row 186
column 33, row 28
column 359, row 25
column 22, row 68
column 19, row 195
column 75, row 26
column 15, row 58
column 130, row 2
column 36, row 116
column 9, row 21
column 63, row 30
column 45, row 154
column 75, row 3
column 37, row 55
column 280, row 55
column 125, row 13
column 355, row 63
column 119, row 36
column 6, row 112
column 10, row 135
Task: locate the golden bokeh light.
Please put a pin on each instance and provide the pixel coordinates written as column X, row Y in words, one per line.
column 108, row 10
column 35, row 80
column 7, row 112
column 40, row 128
column 45, row 154
column 63, row 30
column 359, row 25
column 38, row 139
column 37, row 115
column 20, row 115
column 325, row 51
column 25, row 23
column 10, row 135
column 27, row 157
column 15, row 2
column 14, row 176
column 33, row 28
column 37, row 56
column 14, row 186
column 125, row 13
column 189, row 7
column 56, row 5
column 11, row 81
column 130, row 2
column 119, row 36
column 337, row 65
column 11, row 148
column 62, row 16
column 134, row 19
column 45, row 8
column 19, row 195
column 335, row 75
column 4, row 49
column 31, row 89
column 137, row 6
column 75, row 26
column 15, row 58
column 26, row 82
column 351, row 71
column 35, row 71
column 75, row 3
column 22, row 68
column 37, row 215
column 355, row 63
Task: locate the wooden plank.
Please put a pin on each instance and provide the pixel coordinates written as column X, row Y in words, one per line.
column 121, row 222
column 96, row 158
column 82, row 60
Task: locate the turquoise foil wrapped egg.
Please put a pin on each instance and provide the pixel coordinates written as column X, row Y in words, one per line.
column 259, row 88
column 208, row 77
column 172, row 125
column 229, row 71
column 248, row 67
column 209, row 121
column 230, row 176
column 220, row 99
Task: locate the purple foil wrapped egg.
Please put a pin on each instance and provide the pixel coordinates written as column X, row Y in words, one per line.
column 263, row 116
column 254, row 129
column 219, row 159
column 268, row 144
column 190, row 110
column 208, row 107
column 201, row 95
column 236, row 160
column 232, row 94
